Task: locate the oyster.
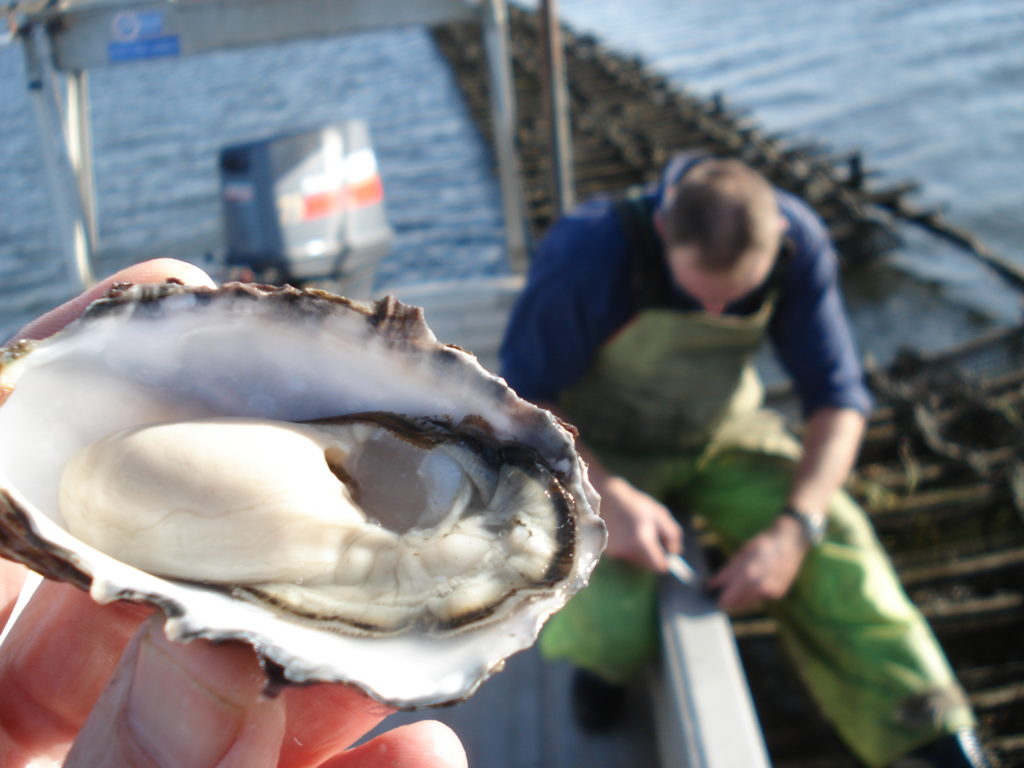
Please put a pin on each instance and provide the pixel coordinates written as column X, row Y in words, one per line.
column 318, row 477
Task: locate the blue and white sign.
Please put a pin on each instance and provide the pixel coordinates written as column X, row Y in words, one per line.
column 141, row 35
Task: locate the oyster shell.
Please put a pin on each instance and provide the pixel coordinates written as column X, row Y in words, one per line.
column 318, row 477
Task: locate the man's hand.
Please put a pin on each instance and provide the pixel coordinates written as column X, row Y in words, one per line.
column 764, row 569
column 640, row 528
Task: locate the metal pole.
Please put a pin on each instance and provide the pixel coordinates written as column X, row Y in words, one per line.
column 495, row 24
column 79, row 142
column 705, row 717
column 64, row 193
column 557, row 106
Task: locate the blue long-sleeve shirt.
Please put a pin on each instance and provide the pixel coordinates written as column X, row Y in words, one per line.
column 579, row 294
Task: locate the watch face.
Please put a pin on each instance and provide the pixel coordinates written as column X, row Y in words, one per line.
column 814, row 527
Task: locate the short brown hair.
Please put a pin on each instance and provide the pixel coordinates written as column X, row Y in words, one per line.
column 726, row 209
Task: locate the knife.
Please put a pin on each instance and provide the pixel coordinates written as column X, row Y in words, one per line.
column 682, row 571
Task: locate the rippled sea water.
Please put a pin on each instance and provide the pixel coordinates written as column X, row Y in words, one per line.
column 929, row 90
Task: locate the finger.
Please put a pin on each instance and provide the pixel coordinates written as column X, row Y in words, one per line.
column 426, row 744
column 719, row 579
column 323, row 720
column 651, row 552
column 55, row 663
column 153, row 271
column 12, row 576
column 734, row 588
column 738, row 591
column 671, row 536
column 182, row 704
column 731, row 597
column 656, row 559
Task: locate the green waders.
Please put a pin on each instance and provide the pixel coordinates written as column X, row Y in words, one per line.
column 672, row 403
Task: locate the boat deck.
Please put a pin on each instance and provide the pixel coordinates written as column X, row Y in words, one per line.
column 521, row 718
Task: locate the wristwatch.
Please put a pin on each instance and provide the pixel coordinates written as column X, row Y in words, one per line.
column 813, row 526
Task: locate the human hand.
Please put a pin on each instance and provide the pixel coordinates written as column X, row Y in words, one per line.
column 640, row 528
column 763, row 569
column 174, row 705
column 99, row 685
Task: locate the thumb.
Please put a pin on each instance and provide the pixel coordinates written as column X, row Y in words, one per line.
column 172, row 704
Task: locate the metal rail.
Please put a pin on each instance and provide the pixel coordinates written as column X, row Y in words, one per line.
column 556, row 99
column 704, row 713
column 66, row 186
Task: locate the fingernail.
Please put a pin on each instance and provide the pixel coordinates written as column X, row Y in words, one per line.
column 175, row 718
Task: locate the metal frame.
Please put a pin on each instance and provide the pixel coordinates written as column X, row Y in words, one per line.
column 74, row 36
column 705, row 715
column 69, row 175
column 556, row 99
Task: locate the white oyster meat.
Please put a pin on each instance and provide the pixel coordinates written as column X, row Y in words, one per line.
column 318, row 477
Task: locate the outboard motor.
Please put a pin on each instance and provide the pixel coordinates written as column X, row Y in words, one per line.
column 307, row 205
